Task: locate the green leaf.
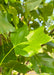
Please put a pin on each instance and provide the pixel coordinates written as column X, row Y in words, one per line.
column 6, row 1
column 6, row 72
column 4, row 49
column 12, row 10
column 35, row 66
column 34, row 14
column 21, row 68
column 44, row 62
column 14, row 13
column 19, row 50
column 51, row 44
column 45, row 11
column 37, row 38
column 31, row 4
column 19, row 37
column 5, row 26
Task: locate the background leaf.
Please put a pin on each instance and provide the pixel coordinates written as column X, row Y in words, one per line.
column 5, row 26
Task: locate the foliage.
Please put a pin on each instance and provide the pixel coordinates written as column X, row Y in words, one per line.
column 27, row 36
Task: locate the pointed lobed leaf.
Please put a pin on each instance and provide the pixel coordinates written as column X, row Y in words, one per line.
column 37, row 38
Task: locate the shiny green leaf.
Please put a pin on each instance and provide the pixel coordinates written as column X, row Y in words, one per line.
column 37, row 38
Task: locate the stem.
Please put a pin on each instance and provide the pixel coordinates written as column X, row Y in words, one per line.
column 10, row 52
column 6, row 55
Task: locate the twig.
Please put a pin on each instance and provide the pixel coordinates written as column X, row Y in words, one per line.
column 52, row 31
